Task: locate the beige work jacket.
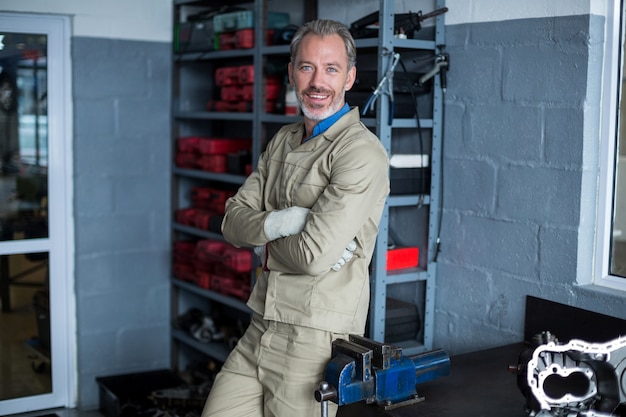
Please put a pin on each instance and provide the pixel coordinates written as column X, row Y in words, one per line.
column 342, row 176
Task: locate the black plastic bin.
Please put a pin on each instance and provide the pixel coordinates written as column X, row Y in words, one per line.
column 128, row 394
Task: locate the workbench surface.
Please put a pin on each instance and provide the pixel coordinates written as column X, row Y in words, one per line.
column 479, row 385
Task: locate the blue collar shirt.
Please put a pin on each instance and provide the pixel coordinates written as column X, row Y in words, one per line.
column 325, row 124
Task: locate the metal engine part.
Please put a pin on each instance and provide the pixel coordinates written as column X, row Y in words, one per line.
column 576, row 379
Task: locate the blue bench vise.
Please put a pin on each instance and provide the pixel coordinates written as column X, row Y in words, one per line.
column 362, row 369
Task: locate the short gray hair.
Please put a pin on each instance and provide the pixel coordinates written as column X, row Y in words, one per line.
column 325, row 27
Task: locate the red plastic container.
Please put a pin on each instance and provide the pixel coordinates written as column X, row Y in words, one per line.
column 213, row 163
column 209, row 146
column 237, row 259
column 241, row 39
column 227, row 76
column 401, row 258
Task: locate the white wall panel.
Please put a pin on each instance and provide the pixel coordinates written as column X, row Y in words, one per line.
column 148, row 20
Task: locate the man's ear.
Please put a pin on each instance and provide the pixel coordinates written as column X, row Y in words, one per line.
column 290, row 73
column 351, row 78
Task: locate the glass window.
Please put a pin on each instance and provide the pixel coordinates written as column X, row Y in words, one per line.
column 611, row 226
column 617, row 262
column 23, row 136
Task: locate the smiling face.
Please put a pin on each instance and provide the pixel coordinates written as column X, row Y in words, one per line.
column 321, row 77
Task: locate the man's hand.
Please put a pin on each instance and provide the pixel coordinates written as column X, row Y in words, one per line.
column 347, row 255
column 287, row 222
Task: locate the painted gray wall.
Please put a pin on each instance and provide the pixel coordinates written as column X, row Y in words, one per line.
column 520, row 172
column 517, row 165
column 122, row 206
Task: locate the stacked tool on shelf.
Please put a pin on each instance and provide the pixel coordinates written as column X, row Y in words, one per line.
column 214, row 154
column 214, row 265
column 237, row 90
column 207, row 209
column 235, row 30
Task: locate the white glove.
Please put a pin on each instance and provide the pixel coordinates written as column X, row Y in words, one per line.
column 287, row 222
column 260, row 252
column 347, row 255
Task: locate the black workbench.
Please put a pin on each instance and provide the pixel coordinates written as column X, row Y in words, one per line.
column 479, row 385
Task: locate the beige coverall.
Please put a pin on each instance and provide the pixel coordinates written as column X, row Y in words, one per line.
column 300, row 304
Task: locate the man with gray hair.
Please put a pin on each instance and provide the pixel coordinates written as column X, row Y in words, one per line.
column 311, row 211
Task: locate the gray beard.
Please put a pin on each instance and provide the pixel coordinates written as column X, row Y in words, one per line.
column 334, row 107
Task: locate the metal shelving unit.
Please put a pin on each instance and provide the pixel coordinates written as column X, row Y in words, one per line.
column 192, row 86
column 424, row 276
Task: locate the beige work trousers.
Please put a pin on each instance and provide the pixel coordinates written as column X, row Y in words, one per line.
column 273, row 372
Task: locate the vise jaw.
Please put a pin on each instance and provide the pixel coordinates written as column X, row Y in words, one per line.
column 362, row 369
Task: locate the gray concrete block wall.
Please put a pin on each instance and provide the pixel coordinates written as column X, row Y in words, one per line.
column 122, row 154
column 517, row 114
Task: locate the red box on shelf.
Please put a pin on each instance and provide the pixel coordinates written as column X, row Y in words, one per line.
column 211, row 194
column 241, row 39
column 208, row 146
column 233, row 285
column 246, row 92
column 186, row 216
column 210, row 198
column 186, row 160
column 203, row 279
column 202, row 219
column 213, row 163
column 246, row 74
column 183, row 251
column 237, row 259
column 184, row 272
column 235, row 92
column 229, row 106
column 210, row 250
column 188, row 144
column 227, row 76
column 402, row 258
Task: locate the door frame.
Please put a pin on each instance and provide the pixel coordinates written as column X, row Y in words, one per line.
column 60, row 243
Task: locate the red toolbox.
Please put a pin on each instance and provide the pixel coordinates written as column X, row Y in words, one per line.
column 213, row 163
column 202, row 219
column 236, row 92
column 210, row 198
column 203, row 280
column 237, row 75
column 188, row 144
column 186, row 216
column 206, row 267
column 229, row 106
column 228, row 76
column 245, row 74
column 184, row 272
column 211, row 194
column 272, row 90
column 246, row 92
column 402, row 258
column 240, row 39
column 237, row 259
column 222, row 145
column 209, row 250
column 241, row 106
column 183, row 251
column 236, row 285
column 186, row 160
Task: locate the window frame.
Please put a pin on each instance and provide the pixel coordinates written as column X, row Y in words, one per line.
column 608, row 158
column 60, row 242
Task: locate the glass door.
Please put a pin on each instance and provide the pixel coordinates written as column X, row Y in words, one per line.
column 35, row 365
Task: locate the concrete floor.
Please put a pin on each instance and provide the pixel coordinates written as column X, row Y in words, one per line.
column 61, row 412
